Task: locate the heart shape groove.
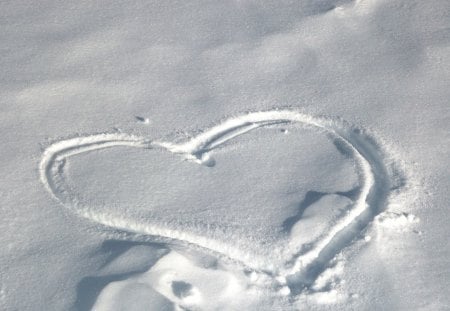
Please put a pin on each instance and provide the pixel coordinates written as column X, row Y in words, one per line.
column 301, row 259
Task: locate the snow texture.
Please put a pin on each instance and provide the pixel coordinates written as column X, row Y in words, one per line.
column 225, row 155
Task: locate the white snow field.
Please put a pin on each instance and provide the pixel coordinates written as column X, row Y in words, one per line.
column 225, row 155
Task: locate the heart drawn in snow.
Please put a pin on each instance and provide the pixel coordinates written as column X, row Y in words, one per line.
column 286, row 195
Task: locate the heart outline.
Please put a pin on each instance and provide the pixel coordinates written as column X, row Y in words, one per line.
column 376, row 180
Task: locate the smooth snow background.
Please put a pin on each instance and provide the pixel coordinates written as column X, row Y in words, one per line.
column 90, row 67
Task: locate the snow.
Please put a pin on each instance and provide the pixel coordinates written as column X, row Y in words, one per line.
column 234, row 155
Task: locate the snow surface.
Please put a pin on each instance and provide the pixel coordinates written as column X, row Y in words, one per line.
column 225, row 155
